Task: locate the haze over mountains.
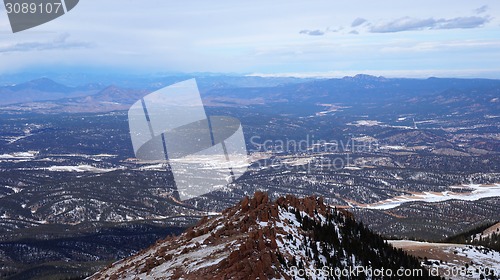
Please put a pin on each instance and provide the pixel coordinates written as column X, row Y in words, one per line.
column 409, row 94
column 42, row 89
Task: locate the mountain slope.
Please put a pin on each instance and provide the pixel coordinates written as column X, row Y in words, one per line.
column 259, row 239
column 487, row 235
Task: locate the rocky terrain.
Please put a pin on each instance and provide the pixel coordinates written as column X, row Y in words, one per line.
column 410, row 158
column 261, row 239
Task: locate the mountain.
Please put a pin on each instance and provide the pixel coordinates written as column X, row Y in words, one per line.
column 349, row 95
column 110, row 98
column 431, row 221
column 261, row 239
column 42, row 84
column 368, row 95
column 489, row 232
column 89, row 98
column 116, row 95
column 419, row 159
column 42, row 89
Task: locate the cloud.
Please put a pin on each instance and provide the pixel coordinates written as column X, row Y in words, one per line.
column 355, row 32
column 477, row 45
column 481, row 9
column 318, row 32
column 402, row 24
column 462, row 22
column 312, row 32
column 329, row 29
column 358, row 22
column 59, row 43
column 407, row 24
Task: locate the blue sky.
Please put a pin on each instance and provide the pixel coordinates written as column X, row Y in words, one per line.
column 298, row 38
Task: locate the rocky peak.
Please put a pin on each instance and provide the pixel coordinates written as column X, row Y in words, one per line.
column 259, row 239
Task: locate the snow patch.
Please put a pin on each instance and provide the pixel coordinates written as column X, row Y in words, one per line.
column 80, row 168
column 478, row 192
column 20, row 155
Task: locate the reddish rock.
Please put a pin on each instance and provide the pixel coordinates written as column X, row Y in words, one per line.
column 245, row 204
column 254, row 258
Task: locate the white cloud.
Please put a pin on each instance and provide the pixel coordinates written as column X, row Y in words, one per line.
column 481, row 9
column 358, row 22
column 408, row 24
column 402, row 24
column 59, row 43
column 312, row 32
column 461, row 22
column 437, row 46
column 260, row 36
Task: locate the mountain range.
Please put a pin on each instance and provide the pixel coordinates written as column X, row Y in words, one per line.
column 43, row 89
column 393, row 95
column 73, row 198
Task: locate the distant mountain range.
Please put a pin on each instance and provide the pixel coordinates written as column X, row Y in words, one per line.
column 395, row 95
column 43, row 89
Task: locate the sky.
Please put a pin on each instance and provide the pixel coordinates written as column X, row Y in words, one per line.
column 314, row 38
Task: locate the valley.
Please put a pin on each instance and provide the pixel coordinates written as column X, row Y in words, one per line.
column 411, row 159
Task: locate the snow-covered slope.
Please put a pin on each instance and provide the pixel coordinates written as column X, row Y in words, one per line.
column 290, row 238
column 455, row 261
column 489, row 232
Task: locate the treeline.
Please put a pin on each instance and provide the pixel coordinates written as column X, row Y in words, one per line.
column 491, row 241
column 342, row 242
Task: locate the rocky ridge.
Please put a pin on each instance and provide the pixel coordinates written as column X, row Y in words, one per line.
column 261, row 239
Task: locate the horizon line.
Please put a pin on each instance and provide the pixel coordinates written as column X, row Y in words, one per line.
column 493, row 74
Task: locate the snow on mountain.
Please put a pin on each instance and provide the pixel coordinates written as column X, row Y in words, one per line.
column 488, row 232
column 455, row 261
column 290, row 238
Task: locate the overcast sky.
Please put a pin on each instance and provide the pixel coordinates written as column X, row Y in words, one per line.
column 458, row 38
